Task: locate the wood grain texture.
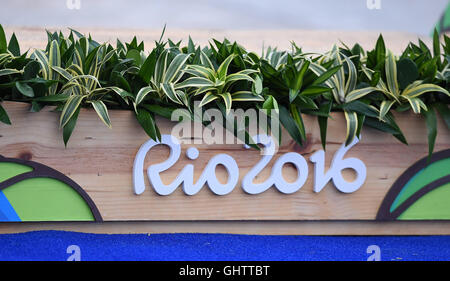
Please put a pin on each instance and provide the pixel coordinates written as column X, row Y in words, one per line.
column 243, row 227
column 101, row 160
column 252, row 40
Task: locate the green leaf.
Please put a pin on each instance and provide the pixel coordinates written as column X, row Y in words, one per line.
column 292, row 95
column 175, row 67
column 8, row 71
column 414, row 92
column 63, row 73
column 36, row 106
column 195, row 82
column 43, row 61
column 54, row 98
column 209, row 97
column 161, row 66
column 246, row 96
column 444, row 111
column 54, row 59
column 361, row 119
column 390, row 120
column 258, row 85
column 313, row 91
column 70, row 126
column 352, row 126
column 359, row 93
column 361, row 108
column 407, row 72
column 416, row 104
column 385, row 107
column 290, row 125
column 200, row 71
column 437, row 47
column 270, row 103
column 170, row 92
column 298, row 82
column 163, row 111
column 391, row 74
column 24, row 89
column 148, row 124
column 238, row 77
column 31, row 70
column 148, row 67
column 135, row 55
column 326, row 75
column 325, row 108
column 223, row 68
column 381, row 126
column 72, row 104
column 121, row 92
column 142, row 94
column 430, row 119
column 102, row 112
column 3, row 115
column 3, row 43
column 13, row 46
column 380, row 49
column 227, row 100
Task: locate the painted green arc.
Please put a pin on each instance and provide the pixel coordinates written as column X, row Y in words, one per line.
column 9, row 170
column 47, row 199
column 30, row 191
column 427, row 175
column 435, row 204
column 422, row 192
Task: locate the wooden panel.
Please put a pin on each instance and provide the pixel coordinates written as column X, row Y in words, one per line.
column 100, row 160
column 244, row 227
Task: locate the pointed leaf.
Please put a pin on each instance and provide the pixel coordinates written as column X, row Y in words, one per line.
column 430, row 119
column 3, row 115
column 70, row 126
column 102, row 112
column 72, row 104
column 352, row 126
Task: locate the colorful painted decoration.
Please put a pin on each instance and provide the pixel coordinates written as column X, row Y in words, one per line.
column 422, row 192
column 30, row 191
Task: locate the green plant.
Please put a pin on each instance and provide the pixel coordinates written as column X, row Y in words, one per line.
column 296, row 88
column 76, row 71
column 218, row 84
column 344, row 88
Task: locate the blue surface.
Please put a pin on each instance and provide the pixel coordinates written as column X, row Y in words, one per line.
column 52, row 245
column 7, row 212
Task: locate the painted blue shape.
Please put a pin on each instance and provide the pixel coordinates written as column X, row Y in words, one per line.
column 7, row 212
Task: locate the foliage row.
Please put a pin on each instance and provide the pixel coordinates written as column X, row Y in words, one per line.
column 367, row 85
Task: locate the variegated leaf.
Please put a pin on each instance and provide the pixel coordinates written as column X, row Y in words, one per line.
column 352, row 126
column 102, row 111
column 209, row 97
column 385, row 107
column 72, row 104
column 391, row 74
column 177, row 64
column 143, row 93
column 223, row 68
column 359, row 93
column 246, row 96
column 417, row 91
column 169, row 91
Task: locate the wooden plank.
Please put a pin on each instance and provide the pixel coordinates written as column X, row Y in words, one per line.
column 101, row 159
column 253, row 40
column 243, row 227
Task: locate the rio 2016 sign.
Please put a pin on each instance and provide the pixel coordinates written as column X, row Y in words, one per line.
column 208, row 176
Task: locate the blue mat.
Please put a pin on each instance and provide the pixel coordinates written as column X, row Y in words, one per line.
column 53, row 245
